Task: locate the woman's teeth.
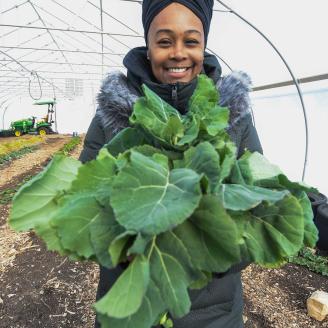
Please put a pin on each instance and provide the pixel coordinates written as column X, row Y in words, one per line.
column 178, row 70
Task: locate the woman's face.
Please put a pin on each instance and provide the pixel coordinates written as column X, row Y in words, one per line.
column 176, row 44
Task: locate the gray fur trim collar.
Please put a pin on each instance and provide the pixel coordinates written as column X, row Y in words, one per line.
column 116, row 99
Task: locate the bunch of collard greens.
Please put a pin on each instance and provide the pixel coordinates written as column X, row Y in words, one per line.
column 169, row 193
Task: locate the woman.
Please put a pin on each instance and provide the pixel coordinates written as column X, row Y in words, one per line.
column 176, row 35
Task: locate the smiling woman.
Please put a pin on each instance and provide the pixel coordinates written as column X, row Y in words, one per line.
column 176, row 36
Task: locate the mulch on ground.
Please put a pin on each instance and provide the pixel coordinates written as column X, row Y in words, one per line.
column 42, row 289
column 17, row 179
column 276, row 298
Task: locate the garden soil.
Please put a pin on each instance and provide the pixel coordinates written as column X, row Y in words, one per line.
column 40, row 289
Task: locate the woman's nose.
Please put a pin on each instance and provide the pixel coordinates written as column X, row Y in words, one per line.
column 178, row 52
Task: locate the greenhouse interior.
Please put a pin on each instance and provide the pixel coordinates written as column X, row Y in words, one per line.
column 55, row 59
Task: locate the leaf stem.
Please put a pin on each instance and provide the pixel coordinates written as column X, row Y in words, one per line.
column 151, row 248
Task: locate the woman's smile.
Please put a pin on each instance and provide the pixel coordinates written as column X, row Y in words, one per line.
column 179, row 73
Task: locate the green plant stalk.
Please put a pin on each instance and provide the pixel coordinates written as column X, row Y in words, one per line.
column 313, row 262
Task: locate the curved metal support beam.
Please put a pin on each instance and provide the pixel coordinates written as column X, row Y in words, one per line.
column 293, row 77
column 102, row 37
column 50, row 34
column 3, row 116
column 223, row 61
column 72, row 31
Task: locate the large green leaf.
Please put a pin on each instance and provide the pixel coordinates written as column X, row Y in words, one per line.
column 140, row 244
column 242, row 197
column 150, row 199
column 36, row 201
column 205, row 94
column 228, row 153
column 95, row 177
column 80, row 208
column 204, row 160
column 210, row 236
column 217, row 227
column 170, row 277
column 162, row 109
column 311, row 234
column 127, row 294
column 282, row 182
column 126, row 139
column 204, row 105
column 295, row 186
column 50, row 236
column 191, row 125
column 72, row 222
column 147, row 150
column 150, row 151
column 103, row 231
column 170, row 243
column 152, row 306
column 164, row 123
column 174, row 130
column 255, row 167
column 236, row 176
column 271, row 233
column 118, row 245
column 216, row 120
column 157, row 117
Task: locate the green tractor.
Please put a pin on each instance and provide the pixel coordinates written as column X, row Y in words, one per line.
column 33, row 126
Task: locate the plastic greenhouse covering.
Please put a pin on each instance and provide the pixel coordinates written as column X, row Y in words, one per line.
column 63, row 49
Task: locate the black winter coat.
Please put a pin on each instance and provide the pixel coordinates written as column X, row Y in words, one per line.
column 219, row 305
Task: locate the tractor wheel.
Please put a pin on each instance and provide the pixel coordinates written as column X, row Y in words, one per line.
column 43, row 131
column 18, row 133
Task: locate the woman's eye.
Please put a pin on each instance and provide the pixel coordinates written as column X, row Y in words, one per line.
column 164, row 42
column 192, row 42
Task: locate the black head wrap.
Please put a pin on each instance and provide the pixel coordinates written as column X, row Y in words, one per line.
column 201, row 8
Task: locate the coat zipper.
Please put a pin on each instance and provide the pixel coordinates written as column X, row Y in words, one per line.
column 175, row 95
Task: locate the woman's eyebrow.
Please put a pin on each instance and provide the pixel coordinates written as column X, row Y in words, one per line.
column 168, row 31
column 193, row 31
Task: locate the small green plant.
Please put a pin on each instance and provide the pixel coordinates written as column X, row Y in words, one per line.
column 70, row 146
column 5, row 158
column 7, row 195
column 316, row 263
